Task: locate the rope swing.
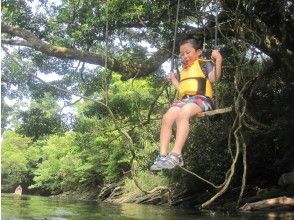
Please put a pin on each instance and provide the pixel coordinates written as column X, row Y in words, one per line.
column 221, row 110
column 223, row 186
column 174, row 61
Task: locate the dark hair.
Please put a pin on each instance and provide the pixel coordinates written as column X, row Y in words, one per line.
column 196, row 42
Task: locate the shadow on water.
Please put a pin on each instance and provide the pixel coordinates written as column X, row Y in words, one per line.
column 43, row 208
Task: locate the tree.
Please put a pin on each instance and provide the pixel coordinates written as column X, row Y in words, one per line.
column 56, row 173
column 41, row 119
column 14, row 167
column 85, row 37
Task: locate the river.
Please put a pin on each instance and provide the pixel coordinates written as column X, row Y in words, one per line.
column 47, row 208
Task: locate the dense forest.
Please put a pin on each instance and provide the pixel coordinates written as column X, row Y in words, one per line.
column 83, row 91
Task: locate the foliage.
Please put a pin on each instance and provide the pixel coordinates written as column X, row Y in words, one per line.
column 130, row 104
column 41, row 119
column 14, row 169
column 59, row 162
column 95, row 151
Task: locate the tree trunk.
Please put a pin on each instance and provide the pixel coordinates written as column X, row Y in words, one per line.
column 268, row 203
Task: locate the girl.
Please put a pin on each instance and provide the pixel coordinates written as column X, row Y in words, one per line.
column 195, row 92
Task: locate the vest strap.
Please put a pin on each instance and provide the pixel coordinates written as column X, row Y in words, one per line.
column 201, row 88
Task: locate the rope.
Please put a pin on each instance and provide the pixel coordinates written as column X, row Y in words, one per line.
column 175, row 36
column 215, row 45
column 216, row 26
column 201, row 178
column 105, row 75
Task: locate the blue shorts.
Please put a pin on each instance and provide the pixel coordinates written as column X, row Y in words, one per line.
column 204, row 102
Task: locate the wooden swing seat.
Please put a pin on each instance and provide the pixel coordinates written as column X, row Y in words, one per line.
column 214, row 112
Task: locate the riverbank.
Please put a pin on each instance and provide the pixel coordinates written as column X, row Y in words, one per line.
column 117, row 193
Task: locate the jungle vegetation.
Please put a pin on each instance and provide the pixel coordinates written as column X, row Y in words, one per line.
column 106, row 62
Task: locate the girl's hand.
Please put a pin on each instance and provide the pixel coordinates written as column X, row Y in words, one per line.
column 215, row 54
column 171, row 76
column 217, row 71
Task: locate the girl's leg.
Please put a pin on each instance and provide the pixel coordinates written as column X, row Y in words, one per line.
column 183, row 126
column 166, row 128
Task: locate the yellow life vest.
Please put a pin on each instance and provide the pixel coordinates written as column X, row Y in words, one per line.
column 194, row 82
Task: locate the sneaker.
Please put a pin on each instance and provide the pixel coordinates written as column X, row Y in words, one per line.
column 171, row 161
column 160, row 159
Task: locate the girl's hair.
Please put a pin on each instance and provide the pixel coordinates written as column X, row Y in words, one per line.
column 196, row 42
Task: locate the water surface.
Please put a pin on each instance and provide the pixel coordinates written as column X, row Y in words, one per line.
column 45, row 208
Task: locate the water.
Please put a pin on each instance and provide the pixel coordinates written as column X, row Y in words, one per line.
column 45, row 208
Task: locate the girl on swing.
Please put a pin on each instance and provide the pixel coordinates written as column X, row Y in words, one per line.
column 195, row 93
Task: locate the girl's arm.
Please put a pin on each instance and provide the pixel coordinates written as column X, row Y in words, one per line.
column 171, row 77
column 216, row 73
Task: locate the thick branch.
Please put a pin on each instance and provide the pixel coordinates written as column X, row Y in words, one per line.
column 258, row 32
column 16, row 42
column 127, row 71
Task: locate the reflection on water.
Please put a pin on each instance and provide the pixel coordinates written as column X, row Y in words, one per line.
column 285, row 215
column 37, row 207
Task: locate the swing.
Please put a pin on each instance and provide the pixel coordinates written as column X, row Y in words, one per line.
column 223, row 186
column 173, row 61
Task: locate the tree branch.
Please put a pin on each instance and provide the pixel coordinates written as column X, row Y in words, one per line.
column 127, row 71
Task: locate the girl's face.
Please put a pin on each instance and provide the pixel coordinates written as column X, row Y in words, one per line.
column 189, row 54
